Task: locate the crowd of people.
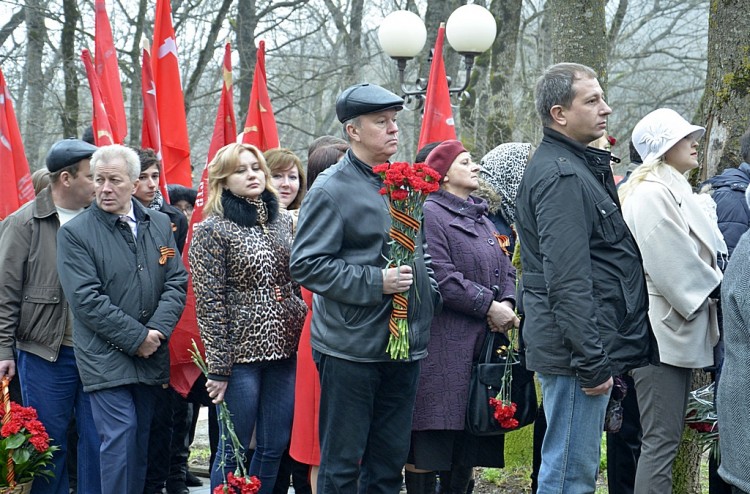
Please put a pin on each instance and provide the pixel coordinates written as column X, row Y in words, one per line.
column 619, row 293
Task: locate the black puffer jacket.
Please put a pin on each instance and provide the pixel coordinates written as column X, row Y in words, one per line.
column 728, row 191
column 585, row 293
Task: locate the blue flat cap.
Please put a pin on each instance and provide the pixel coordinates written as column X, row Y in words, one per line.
column 361, row 99
column 68, row 152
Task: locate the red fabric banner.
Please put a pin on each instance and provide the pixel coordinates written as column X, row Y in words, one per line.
column 260, row 125
column 437, row 120
column 175, row 146
column 100, row 121
column 105, row 61
column 183, row 372
column 16, row 188
column 150, row 128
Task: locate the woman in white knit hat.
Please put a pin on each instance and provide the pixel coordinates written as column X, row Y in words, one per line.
column 678, row 244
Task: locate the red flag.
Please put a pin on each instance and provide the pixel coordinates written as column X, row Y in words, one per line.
column 260, row 125
column 100, row 122
column 150, row 128
column 15, row 180
column 105, row 58
column 183, row 371
column 175, row 147
column 437, row 120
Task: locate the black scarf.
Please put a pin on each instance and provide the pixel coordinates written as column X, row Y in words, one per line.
column 245, row 212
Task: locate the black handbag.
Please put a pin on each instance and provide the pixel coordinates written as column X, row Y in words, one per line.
column 486, row 379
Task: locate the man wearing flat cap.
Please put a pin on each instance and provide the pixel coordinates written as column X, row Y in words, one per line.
column 339, row 254
column 36, row 316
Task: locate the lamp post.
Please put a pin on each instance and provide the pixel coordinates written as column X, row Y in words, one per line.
column 470, row 31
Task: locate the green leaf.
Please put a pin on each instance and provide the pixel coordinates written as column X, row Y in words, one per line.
column 21, row 456
column 15, row 441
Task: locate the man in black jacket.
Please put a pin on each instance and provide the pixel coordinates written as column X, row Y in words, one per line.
column 339, row 253
column 584, row 288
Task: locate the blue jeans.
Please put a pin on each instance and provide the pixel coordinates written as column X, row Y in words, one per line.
column 54, row 389
column 261, row 396
column 365, row 421
column 123, row 417
column 570, row 451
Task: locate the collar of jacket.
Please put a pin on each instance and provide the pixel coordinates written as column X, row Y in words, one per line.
column 596, row 159
column 142, row 215
column 238, row 210
column 363, row 168
column 468, row 213
column 44, row 206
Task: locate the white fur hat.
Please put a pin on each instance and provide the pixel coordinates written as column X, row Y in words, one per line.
column 658, row 131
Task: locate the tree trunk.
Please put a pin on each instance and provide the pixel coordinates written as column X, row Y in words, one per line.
column 579, row 34
column 69, row 114
column 247, row 21
column 34, row 107
column 686, row 468
column 724, row 108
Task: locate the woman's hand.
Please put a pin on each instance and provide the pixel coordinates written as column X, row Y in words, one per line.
column 216, row 390
column 501, row 317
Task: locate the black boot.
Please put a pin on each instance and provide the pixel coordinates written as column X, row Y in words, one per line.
column 420, row 483
column 461, row 479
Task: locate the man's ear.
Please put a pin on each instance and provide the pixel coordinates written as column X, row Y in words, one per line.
column 135, row 186
column 65, row 178
column 557, row 113
column 353, row 132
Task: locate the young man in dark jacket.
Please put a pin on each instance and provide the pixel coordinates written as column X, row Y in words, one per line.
column 585, row 294
column 120, row 270
column 340, row 253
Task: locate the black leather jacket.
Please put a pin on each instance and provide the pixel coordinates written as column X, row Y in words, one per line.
column 585, row 295
column 339, row 253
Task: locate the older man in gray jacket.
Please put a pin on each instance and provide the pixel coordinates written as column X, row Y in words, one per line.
column 126, row 284
column 340, row 254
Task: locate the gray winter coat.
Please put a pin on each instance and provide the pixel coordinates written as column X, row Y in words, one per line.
column 118, row 289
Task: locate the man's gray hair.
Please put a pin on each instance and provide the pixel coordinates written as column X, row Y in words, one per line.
column 555, row 87
column 106, row 154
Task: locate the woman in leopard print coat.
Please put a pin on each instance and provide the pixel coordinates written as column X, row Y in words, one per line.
column 249, row 313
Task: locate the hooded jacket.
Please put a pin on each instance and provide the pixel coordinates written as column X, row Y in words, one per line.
column 340, row 250
column 585, row 295
column 728, row 191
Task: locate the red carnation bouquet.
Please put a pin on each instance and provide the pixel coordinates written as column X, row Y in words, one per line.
column 701, row 416
column 406, row 186
column 25, row 451
column 504, row 408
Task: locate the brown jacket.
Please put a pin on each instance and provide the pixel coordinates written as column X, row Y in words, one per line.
column 33, row 309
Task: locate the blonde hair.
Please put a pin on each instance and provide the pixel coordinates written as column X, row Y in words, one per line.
column 282, row 159
column 658, row 167
column 226, row 162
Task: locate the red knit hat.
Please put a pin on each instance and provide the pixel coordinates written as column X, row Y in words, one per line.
column 441, row 158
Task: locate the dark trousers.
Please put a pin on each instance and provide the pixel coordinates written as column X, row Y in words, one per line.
column 624, row 447
column 123, row 420
column 159, row 442
column 365, row 424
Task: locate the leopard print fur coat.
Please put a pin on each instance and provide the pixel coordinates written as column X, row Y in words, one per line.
column 247, row 305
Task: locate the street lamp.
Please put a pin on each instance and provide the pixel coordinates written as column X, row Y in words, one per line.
column 470, row 30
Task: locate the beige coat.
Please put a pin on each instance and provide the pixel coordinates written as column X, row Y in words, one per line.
column 679, row 246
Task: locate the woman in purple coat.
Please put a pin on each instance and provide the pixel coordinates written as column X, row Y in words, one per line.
column 477, row 281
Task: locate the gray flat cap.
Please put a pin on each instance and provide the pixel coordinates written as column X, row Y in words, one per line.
column 68, row 152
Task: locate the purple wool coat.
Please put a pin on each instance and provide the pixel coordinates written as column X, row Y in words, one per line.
column 467, row 261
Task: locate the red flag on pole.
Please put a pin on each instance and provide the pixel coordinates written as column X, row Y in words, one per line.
column 105, row 58
column 437, row 120
column 183, row 371
column 175, row 147
column 15, row 179
column 100, row 122
column 260, row 125
column 150, row 128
